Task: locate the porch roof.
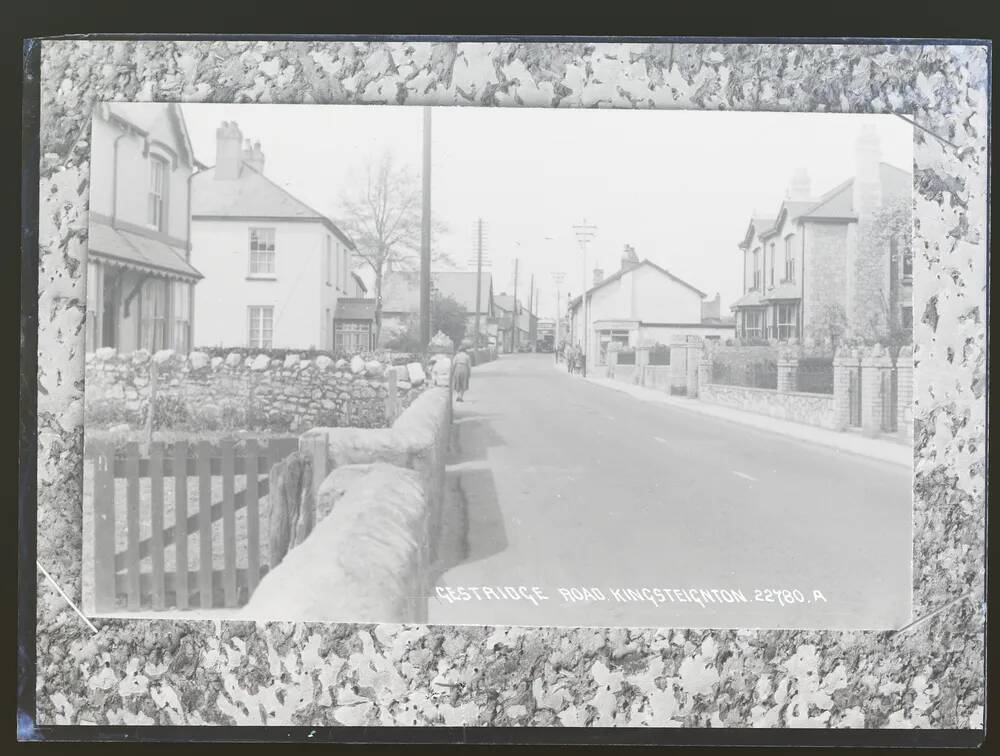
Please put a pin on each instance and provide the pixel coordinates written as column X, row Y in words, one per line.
column 750, row 299
column 783, row 291
column 353, row 308
column 130, row 250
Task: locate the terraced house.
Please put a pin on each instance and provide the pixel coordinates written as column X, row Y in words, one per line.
column 840, row 263
column 140, row 278
column 278, row 274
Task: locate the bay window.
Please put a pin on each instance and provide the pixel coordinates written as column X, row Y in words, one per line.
column 786, row 321
column 153, row 315
column 352, row 336
column 181, row 301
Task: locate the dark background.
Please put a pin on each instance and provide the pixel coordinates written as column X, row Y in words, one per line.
column 939, row 20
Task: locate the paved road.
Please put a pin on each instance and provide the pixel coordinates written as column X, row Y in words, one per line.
column 569, row 485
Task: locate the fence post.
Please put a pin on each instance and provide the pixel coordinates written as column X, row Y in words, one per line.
column 391, row 397
column 845, row 361
column 788, row 370
column 151, row 406
column 904, row 393
column 612, row 355
column 694, row 349
column 641, row 363
column 105, row 594
column 678, row 365
column 873, row 363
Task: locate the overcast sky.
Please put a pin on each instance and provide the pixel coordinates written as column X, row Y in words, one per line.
column 679, row 186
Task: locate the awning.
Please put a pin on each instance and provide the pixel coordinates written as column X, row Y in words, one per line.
column 130, row 250
column 353, row 308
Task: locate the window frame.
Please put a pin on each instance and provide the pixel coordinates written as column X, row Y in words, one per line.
column 789, row 260
column 329, row 259
column 358, row 332
column 156, row 202
column 771, row 269
column 756, row 269
column 787, row 327
column 255, row 255
column 753, row 323
column 259, row 322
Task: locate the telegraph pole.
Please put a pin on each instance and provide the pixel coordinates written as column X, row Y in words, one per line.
column 479, row 274
column 557, row 278
column 513, row 336
column 584, row 234
column 531, row 309
column 425, row 237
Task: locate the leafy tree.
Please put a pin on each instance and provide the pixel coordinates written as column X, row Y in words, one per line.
column 447, row 315
column 382, row 214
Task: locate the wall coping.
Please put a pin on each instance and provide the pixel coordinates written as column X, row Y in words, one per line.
column 806, row 394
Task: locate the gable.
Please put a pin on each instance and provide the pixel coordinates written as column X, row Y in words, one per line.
column 159, row 124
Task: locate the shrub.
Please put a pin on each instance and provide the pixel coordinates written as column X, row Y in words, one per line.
column 659, row 354
column 105, row 413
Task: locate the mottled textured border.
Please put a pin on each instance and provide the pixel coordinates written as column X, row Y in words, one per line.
column 929, row 675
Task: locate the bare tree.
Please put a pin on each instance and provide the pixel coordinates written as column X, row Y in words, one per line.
column 382, row 214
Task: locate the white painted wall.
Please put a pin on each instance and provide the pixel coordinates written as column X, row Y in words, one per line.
column 298, row 291
column 661, row 299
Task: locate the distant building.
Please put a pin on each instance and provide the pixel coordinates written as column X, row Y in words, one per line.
column 401, row 301
column 277, row 272
column 140, row 278
column 514, row 331
column 641, row 304
column 824, row 259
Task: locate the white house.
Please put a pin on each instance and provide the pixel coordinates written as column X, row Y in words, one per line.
column 139, row 273
column 277, row 272
column 641, row 305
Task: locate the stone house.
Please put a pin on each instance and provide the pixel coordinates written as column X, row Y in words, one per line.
column 640, row 305
column 278, row 274
column 834, row 264
column 140, row 277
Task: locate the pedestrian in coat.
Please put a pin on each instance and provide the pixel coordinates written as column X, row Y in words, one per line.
column 461, row 370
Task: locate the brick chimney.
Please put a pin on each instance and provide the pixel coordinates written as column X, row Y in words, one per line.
column 228, row 155
column 253, row 156
column 629, row 258
column 867, row 179
column 598, row 276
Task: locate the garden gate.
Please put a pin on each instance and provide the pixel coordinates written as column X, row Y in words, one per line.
column 122, row 578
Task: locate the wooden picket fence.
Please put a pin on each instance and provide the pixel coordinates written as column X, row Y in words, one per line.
column 121, row 581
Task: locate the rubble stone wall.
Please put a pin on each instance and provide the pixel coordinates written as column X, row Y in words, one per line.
column 239, row 391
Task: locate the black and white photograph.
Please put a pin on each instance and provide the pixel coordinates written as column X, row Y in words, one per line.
column 513, row 389
column 486, row 366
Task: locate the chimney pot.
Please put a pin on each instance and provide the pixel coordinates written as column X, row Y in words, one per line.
column 598, row 276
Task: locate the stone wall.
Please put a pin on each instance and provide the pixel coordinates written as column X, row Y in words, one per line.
column 631, row 374
column 418, row 440
column 811, row 409
column 366, row 561
column 243, row 391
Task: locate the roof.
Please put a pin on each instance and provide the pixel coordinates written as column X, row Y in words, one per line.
column 790, row 210
column 838, row 203
column 783, row 291
column 757, row 225
column 131, row 250
column 360, row 281
column 504, row 302
column 750, row 299
column 461, row 286
column 252, row 195
column 353, row 308
column 622, row 271
column 144, row 116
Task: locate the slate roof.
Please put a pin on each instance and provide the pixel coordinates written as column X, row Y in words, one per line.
column 750, row 299
column 461, row 286
column 252, row 195
column 622, row 271
column 838, row 203
column 131, row 250
column 352, row 308
column 788, row 290
column 143, row 117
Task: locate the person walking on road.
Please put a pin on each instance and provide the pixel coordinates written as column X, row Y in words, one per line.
column 461, row 369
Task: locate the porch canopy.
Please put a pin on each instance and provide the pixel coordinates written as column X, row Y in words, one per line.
column 125, row 249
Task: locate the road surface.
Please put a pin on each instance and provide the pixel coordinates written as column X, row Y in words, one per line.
column 569, row 485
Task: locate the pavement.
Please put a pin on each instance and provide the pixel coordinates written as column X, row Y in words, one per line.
column 666, row 516
column 852, row 441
